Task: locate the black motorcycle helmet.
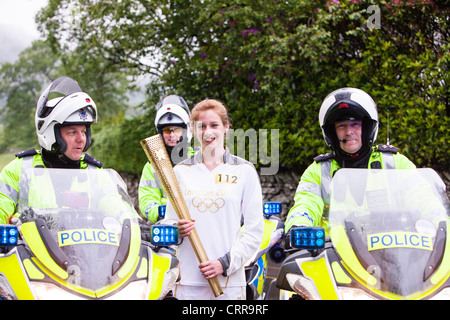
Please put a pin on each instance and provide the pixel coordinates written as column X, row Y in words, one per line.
column 349, row 104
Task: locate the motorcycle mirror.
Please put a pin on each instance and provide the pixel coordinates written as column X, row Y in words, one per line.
column 8, row 235
column 164, row 235
column 162, row 211
column 309, row 238
column 272, row 208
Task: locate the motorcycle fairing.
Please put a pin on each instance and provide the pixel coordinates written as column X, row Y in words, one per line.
column 315, row 269
column 442, row 274
column 126, row 265
column 328, row 271
column 362, row 261
column 81, row 205
column 290, row 265
column 32, row 237
column 158, row 264
column 256, row 267
column 400, row 271
column 363, row 280
column 60, row 203
column 37, row 272
column 438, row 253
column 12, row 268
column 256, row 276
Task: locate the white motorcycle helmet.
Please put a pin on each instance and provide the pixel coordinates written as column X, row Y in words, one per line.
column 173, row 111
column 345, row 104
column 73, row 106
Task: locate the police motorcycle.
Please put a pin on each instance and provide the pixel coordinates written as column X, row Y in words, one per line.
column 78, row 237
column 389, row 239
column 256, row 267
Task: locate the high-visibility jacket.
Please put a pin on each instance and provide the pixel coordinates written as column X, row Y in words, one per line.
column 312, row 197
column 10, row 179
column 151, row 192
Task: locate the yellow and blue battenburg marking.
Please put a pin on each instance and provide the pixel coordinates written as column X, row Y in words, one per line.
column 389, row 240
column 83, row 236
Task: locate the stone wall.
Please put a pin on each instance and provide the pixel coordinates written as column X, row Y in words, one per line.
column 280, row 187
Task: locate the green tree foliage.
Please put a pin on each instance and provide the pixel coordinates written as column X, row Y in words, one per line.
column 118, row 146
column 273, row 62
column 21, row 83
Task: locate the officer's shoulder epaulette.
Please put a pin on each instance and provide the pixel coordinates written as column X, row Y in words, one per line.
column 27, row 153
column 387, row 148
column 324, row 157
column 90, row 159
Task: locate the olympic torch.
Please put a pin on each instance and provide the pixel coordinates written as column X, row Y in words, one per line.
column 156, row 152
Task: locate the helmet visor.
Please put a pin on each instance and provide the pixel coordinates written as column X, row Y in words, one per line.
column 62, row 85
column 175, row 100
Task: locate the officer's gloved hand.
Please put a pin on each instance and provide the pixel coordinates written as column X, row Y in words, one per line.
column 146, row 230
column 288, row 235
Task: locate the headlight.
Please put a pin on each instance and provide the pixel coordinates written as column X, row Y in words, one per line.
column 303, row 286
column 48, row 291
column 358, row 294
column 354, row 294
column 443, row 295
column 135, row 290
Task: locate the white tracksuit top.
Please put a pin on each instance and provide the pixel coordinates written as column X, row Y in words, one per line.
column 217, row 200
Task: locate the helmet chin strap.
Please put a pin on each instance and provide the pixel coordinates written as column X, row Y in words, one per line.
column 60, row 146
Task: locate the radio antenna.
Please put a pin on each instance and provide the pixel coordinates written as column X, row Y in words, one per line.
column 387, row 140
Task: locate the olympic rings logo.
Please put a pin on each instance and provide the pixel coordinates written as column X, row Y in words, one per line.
column 208, row 204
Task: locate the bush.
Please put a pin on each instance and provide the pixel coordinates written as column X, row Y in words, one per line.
column 118, row 146
column 272, row 65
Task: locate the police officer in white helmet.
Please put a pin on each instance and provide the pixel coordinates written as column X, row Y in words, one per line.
column 63, row 119
column 172, row 123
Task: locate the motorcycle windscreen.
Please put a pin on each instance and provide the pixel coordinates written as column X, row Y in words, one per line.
column 395, row 222
column 83, row 218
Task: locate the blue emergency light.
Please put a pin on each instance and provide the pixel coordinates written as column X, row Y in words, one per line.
column 8, row 235
column 309, row 238
column 164, row 235
column 162, row 211
column 271, row 208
